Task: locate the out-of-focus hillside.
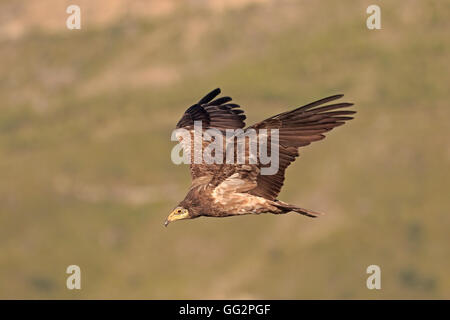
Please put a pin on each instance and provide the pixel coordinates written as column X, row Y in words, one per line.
column 86, row 176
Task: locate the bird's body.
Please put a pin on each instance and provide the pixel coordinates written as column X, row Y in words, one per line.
column 230, row 189
column 220, row 201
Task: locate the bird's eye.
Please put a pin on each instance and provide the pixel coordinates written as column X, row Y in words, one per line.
column 178, row 210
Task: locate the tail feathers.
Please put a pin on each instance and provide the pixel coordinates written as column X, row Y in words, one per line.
column 289, row 207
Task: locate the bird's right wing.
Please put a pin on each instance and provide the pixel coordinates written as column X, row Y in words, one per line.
column 297, row 128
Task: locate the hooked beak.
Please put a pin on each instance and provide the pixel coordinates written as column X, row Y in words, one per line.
column 177, row 214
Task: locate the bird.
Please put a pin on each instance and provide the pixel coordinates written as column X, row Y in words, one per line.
column 236, row 189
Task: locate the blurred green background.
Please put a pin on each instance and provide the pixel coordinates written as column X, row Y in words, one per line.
column 85, row 170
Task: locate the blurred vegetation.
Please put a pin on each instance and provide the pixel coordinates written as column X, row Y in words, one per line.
column 86, row 177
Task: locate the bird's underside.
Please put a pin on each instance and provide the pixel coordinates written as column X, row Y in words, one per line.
column 229, row 189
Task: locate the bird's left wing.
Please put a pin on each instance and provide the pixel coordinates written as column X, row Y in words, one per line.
column 213, row 113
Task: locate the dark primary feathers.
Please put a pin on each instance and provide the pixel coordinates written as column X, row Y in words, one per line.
column 216, row 113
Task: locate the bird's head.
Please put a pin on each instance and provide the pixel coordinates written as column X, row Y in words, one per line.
column 179, row 213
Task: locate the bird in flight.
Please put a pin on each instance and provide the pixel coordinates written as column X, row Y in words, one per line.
column 233, row 189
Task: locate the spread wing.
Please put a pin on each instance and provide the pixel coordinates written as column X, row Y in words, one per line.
column 213, row 113
column 296, row 128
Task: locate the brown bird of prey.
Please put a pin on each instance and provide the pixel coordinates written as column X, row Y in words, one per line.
column 232, row 189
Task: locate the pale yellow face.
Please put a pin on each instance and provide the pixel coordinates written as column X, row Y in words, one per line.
column 178, row 213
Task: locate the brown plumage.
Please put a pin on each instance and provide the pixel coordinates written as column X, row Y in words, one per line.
column 228, row 189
